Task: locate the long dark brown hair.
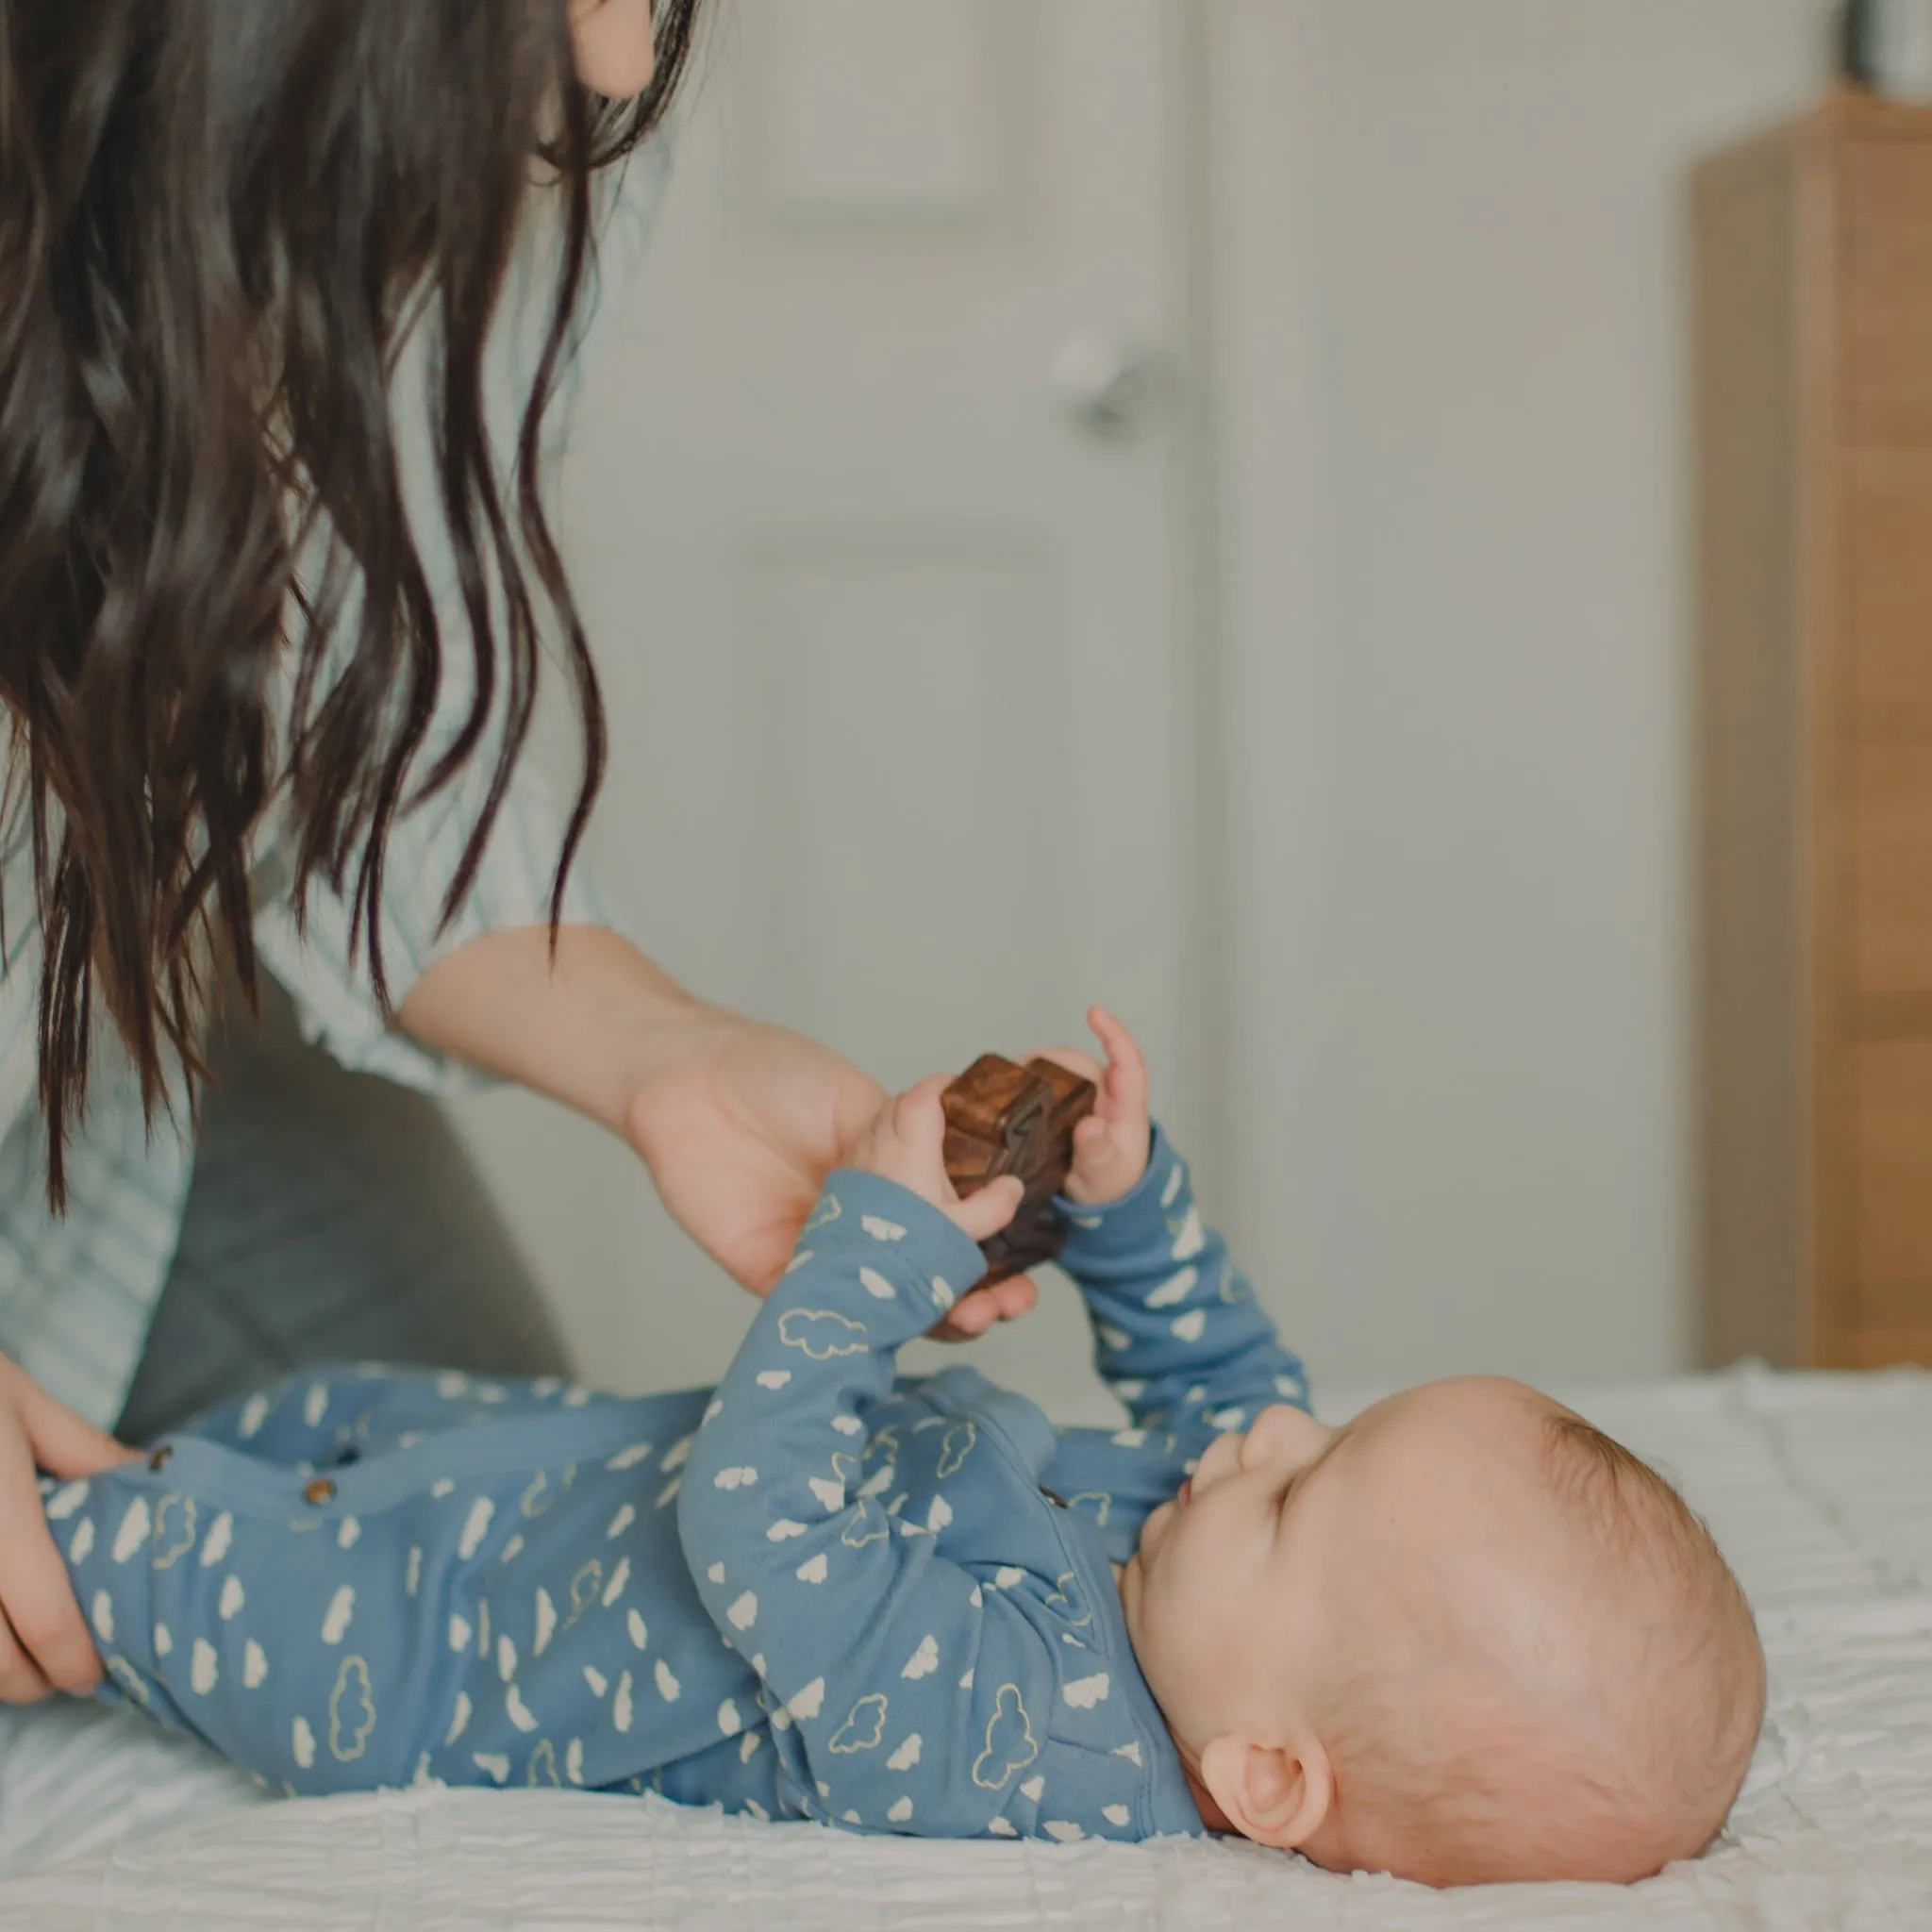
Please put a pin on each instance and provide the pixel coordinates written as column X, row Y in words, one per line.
column 218, row 220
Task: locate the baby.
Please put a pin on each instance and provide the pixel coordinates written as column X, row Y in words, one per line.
column 1465, row 1638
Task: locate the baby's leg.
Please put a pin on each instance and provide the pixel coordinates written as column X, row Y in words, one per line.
column 330, row 1627
column 277, row 1633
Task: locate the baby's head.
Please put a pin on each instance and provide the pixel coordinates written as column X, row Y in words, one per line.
column 1465, row 1639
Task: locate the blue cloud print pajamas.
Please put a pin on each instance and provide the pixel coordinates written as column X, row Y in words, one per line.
column 814, row 1592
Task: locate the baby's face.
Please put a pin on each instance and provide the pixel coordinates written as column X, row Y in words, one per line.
column 1227, row 1592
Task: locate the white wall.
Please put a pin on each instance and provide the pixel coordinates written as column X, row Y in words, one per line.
column 1449, row 322
column 1460, row 650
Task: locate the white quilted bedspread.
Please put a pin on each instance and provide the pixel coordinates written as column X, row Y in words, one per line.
column 1820, row 1488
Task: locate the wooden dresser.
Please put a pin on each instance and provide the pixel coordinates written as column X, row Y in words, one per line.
column 1814, row 374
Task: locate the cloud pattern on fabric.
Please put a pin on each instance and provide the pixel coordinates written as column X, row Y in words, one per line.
column 351, row 1712
column 821, row 1333
column 1011, row 1745
column 864, row 1728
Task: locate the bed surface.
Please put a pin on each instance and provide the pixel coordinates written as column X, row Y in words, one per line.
column 1820, row 1488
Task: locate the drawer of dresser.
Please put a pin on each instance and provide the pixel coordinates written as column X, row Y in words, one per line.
column 1878, row 681
column 1885, row 211
column 1889, row 836
column 1890, row 1156
column 1883, row 633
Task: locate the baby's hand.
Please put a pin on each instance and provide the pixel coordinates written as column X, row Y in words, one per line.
column 1110, row 1146
column 905, row 1141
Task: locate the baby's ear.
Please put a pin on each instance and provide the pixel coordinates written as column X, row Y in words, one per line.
column 1276, row 1794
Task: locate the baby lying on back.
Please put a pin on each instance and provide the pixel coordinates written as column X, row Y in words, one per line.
column 1464, row 1638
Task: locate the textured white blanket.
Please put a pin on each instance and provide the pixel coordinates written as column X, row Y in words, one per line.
column 1820, row 1488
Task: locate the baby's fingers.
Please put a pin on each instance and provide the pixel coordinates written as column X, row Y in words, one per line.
column 1123, row 1096
column 982, row 1215
column 919, row 1116
column 907, row 1141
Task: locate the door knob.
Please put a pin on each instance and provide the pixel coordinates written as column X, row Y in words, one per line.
column 1110, row 387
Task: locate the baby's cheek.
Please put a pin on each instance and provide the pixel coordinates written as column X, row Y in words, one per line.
column 1196, row 1637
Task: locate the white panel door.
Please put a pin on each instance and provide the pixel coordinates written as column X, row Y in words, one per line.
column 890, row 631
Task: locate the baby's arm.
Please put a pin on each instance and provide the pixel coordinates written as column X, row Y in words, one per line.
column 1177, row 1332
column 918, row 1689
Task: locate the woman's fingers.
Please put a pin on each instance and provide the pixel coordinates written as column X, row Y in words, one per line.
column 1017, row 1296
column 63, row 1444
column 20, row 1682
column 998, row 1301
column 47, row 1642
column 47, row 1638
column 968, row 1319
column 45, row 1622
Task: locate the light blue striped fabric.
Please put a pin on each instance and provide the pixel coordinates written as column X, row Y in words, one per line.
column 77, row 1293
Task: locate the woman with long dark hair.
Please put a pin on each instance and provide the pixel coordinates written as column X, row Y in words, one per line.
column 288, row 291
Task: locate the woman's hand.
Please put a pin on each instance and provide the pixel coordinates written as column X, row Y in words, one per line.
column 43, row 1640
column 740, row 1123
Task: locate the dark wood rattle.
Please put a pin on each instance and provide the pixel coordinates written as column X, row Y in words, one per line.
column 1006, row 1119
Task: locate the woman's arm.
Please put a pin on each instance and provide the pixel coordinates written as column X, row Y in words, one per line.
column 588, row 1025
column 739, row 1122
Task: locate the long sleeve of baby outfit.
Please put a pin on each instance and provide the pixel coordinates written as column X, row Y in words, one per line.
column 1177, row 1332
column 906, row 1692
